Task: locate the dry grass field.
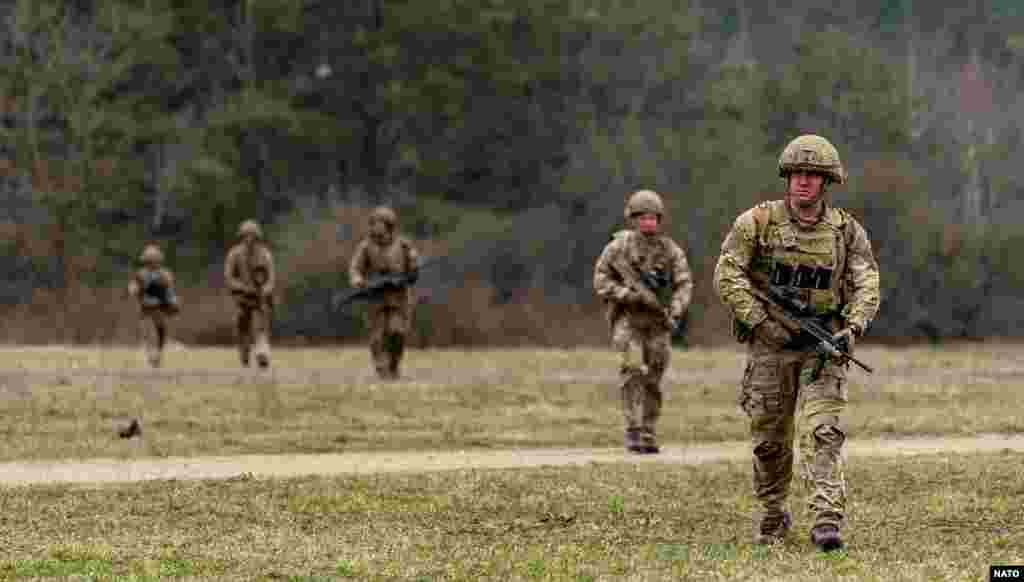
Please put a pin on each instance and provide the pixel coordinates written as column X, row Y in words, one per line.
column 938, row 517
column 929, row 518
column 61, row 403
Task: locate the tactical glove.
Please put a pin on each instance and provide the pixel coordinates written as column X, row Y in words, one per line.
column 772, row 333
column 845, row 337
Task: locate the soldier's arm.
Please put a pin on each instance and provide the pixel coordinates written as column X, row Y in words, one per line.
column 607, row 285
column 231, row 279
column 412, row 263
column 862, row 271
column 134, row 286
column 732, row 283
column 357, row 267
column 268, row 285
column 682, row 283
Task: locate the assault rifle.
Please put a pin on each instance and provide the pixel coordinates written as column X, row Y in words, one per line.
column 378, row 284
column 254, row 298
column 794, row 315
column 156, row 292
column 660, row 283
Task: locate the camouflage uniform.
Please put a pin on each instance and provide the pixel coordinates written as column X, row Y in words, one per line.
column 153, row 287
column 641, row 323
column 389, row 315
column 831, row 266
column 249, row 274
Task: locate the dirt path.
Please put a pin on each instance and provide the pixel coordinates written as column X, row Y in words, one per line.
column 112, row 471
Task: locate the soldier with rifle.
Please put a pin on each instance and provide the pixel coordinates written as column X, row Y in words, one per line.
column 644, row 279
column 249, row 275
column 383, row 269
column 801, row 281
column 153, row 287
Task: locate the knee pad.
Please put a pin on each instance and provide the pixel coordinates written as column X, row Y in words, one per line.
column 829, row 435
column 768, row 450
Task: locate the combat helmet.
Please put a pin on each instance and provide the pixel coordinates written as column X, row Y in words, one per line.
column 644, row 202
column 250, row 227
column 812, row 153
column 385, row 215
column 151, row 254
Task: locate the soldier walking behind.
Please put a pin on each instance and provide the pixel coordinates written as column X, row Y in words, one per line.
column 389, row 315
column 249, row 274
column 153, row 287
column 644, row 279
column 821, row 254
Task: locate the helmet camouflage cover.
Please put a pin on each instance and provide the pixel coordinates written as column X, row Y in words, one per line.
column 151, row 254
column 385, row 215
column 644, row 202
column 812, row 153
column 250, row 227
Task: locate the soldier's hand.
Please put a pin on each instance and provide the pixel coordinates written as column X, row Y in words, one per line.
column 772, row 333
column 845, row 338
column 627, row 295
column 358, row 283
column 674, row 320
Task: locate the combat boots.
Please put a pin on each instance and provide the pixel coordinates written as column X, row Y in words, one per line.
column 632, row 441
column 772, row 529
column 826, row 537
column 649, row 444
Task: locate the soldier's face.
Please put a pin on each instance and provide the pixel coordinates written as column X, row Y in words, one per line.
column 647, row 223
column 380, row 232
column 249, row 239
column 806, row 188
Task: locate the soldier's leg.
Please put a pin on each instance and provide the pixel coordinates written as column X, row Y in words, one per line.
column 260, row 325
column 632, row 370
column 150, row 337
column 768, row 396
column 160, row 323
column 657, row 351
column 243, row 324
column 822, row 437
column 397, row 328
column 377, row 319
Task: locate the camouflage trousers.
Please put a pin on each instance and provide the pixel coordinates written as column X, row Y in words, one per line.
column 777, row 386
column 644, row 352
column 389, row 325
column 252, row 329
column 153, row 333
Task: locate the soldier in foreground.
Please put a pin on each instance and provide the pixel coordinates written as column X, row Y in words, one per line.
column 389, row 316
column 820, row 255
column 644, row 279
column 153, row 287
column 249, row 275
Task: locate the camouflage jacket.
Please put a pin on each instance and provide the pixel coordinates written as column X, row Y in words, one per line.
column 616, row 277
column 153, row 288
column 249, row 274
column 830, row 264
column 372, row 259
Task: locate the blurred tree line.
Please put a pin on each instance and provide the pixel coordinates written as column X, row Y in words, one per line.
column 507, row 133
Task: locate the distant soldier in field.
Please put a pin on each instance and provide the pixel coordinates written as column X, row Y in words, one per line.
column 153, row 287
column 249, row 274
column 822, row 255
column 390, row 312
column 644, row 279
